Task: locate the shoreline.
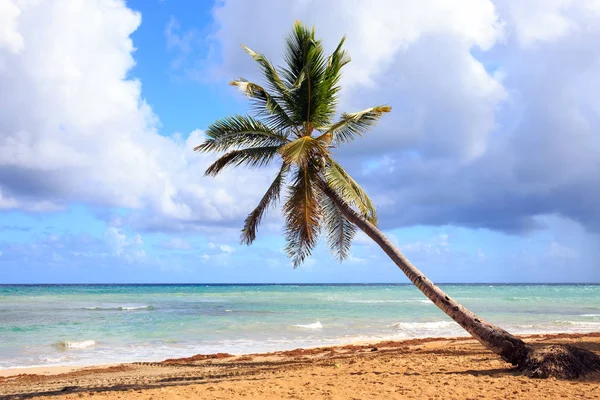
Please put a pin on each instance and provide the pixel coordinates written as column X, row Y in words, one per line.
column 425, row 368
column 59, row 369
column 62, row 369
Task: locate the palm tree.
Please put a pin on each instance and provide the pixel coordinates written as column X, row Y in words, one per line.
column 293, row 126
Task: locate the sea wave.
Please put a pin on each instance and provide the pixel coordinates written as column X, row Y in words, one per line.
column 314, row 325
column 444, row 328
column 423, row 325
column 582, row 323
column 389, row 301
column 522, row 298
column 54, row 360
column 120, row 308
column 558, row 326
column 590, row 315
column 75, row 345
column 378, row 301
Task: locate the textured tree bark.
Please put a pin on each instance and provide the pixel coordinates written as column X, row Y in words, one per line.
column 507, row 346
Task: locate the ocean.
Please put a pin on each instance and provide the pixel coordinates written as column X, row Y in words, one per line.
column 43, row 325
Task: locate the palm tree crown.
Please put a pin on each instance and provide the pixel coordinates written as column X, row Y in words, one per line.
column 292, row 123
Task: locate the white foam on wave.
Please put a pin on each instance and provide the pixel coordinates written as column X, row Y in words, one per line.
column 136, row 308
column 76, row 345
column 314, row 325
column 120, row 308
column 558, row 326
column 582, row 323
column 590, row 315
column 423, row 325
column 388, row 301
column 54, row 360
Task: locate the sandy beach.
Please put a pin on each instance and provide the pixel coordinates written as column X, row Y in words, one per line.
column 436, row 368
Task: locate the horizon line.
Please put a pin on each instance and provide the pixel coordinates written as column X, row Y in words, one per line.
column 295, row 283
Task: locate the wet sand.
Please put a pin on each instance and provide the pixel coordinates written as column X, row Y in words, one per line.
column 442, row 368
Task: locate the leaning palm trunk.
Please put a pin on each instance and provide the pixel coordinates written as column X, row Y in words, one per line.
column 509, row 347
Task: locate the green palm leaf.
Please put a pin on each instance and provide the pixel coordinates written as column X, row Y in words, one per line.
column 355, row 124
column 328, row 89
column 270, row 197
column 252, row 157
column 350, row 191
column 302, row 212
column 270, row 73
column 239, row 131
column 302, row 151
column 339, row 231
column 264, row 104
column 304, row 71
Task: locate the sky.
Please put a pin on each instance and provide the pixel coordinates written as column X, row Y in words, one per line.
column 486, row 170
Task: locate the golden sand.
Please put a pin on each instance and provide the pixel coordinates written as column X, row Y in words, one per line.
column 458, row 368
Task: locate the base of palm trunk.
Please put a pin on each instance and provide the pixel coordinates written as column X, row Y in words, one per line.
column 560, row 361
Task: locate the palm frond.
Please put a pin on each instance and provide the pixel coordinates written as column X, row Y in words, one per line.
column 298, row 43
column 350, row 191
column 302, row 212
column 269, row 72
column 325, row 139
column 239, row 131
column 302, row 151
column 264, row 104
column 338, row 59
column 252, row 157
column 328, row 88
column 355, row 124
column 270, row 197
column 304, row 71
column 299, row 80
column 339, row 230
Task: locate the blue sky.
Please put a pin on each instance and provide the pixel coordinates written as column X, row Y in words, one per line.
column 486, row 170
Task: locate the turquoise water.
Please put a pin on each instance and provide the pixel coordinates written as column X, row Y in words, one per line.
column 92, row 324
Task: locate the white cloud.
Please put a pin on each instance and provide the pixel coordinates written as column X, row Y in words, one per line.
column 9, row 34
column 376, row 34
column 176, row 244
column 361, row 239
column 129, row 248
column 559, row 250
column 495, row 103
column 226, row 249
column 415, row 56
column 480, row 255
column 443, row 239
column 437, row 245
column 182, row 43
column 74, row 127
column 218, row 254
column 357, row 260
column 495, row 110
column 538, row 21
